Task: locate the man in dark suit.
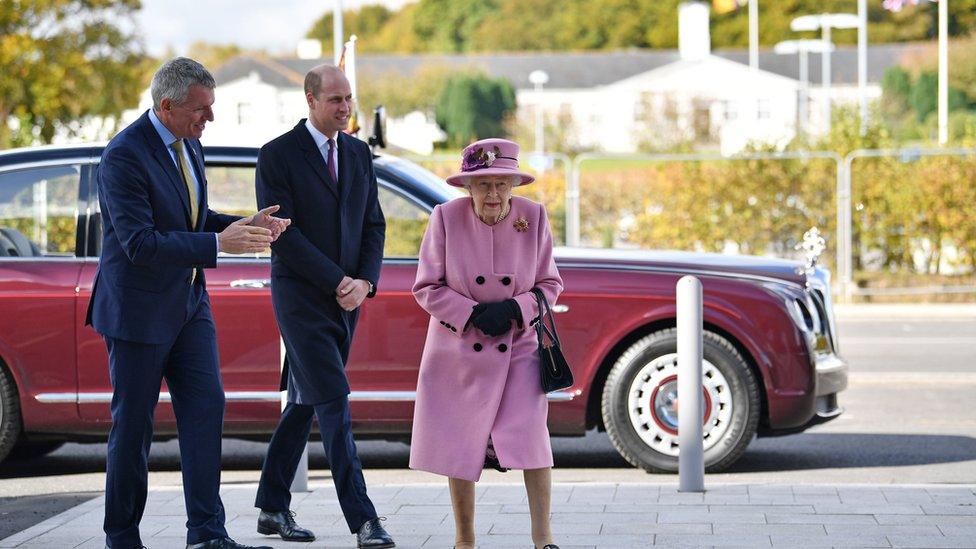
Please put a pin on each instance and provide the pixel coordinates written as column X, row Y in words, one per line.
column 150, row 303
column 322, row 269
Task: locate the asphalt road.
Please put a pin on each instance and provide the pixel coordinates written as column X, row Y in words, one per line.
column 908, row 419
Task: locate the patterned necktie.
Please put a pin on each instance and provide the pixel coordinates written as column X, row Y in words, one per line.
column 191, row 188
column 330, row 163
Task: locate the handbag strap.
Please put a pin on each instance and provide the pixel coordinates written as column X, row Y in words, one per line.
column 545, row 313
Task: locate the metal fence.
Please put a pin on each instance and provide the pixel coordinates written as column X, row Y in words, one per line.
column 760, row 203
column 929, row 196
column 734, row 193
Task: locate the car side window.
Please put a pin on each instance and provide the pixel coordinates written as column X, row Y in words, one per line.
column 39, row 211
column 405, row 224
column 230, row 190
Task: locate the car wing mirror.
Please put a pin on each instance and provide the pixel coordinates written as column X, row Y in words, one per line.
column 378, row 139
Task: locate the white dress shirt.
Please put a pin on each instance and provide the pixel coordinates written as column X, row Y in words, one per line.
column 322, row 142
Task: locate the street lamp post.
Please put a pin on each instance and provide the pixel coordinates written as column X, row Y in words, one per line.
column 803, row 48
column 538, row 78
column 338, row 36
column 862, row 62
column 825, row 22
column 754, row 35
column 943, row 72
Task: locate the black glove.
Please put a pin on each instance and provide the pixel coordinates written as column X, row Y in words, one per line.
column 494, row 319
column 475, row 311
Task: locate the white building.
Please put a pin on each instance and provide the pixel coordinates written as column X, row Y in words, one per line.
column 617, row 101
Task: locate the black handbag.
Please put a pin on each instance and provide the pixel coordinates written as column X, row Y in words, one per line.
column 555, row 371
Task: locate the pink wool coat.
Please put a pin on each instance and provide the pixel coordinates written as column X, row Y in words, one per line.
column 472, row 385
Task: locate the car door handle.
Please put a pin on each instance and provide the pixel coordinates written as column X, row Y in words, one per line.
column 560, row 308
column 251, row 283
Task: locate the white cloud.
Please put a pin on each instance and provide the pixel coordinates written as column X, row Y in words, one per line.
column 275, row 26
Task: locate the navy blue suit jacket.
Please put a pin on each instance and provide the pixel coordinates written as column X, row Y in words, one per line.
column 335, row 231
column 149, row 246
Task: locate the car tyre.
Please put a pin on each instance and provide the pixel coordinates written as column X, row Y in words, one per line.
column 642, row 385
column 9, row 413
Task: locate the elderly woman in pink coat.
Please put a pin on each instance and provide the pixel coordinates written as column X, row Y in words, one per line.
column 479, row 395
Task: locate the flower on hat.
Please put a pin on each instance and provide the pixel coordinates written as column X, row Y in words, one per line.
column 478, row 158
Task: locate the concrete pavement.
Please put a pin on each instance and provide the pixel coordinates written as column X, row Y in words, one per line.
column 591, row 515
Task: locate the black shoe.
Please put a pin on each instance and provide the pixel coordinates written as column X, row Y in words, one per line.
column 283, row 524
column 551, row 546
column 223, row 543
column 372, row 535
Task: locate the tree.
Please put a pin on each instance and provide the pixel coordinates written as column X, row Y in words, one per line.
column 925, row 95
column 366, row 23
column 64, row 60
column 446, row 25
column 474, row 106
column 451, row 26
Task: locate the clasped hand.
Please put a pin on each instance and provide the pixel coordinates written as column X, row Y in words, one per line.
column 495, row 319
column 351, row 293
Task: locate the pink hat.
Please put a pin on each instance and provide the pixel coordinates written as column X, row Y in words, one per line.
column 489, row 157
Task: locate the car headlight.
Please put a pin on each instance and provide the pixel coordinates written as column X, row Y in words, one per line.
column 803, row 312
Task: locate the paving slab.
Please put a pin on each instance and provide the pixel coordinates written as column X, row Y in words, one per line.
column 584, row 515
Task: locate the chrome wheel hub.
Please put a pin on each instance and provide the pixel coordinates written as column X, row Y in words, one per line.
column 653, row 398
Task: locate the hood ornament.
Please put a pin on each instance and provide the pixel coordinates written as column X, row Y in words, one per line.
column 812, row 245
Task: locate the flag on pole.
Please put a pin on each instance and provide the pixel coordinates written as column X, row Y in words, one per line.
column 897, row 5
column 725, row 6
column 350, row 72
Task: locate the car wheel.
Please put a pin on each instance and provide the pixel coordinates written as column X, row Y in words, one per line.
column 9, row 413
column 640, row 394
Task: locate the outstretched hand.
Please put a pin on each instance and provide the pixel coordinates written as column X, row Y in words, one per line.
column 265, row 220
column 241, row 238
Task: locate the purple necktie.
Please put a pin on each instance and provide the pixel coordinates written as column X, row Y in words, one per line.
column 331, row 163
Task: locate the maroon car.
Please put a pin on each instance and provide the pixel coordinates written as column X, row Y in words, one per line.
column 770, row 352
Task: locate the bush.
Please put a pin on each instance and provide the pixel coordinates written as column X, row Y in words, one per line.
column 474, row 106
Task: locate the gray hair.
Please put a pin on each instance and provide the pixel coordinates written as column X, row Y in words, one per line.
column 173, row 80
column 514, row 180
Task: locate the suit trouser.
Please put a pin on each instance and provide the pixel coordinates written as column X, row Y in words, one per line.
column 286, row 448
column 190, row 367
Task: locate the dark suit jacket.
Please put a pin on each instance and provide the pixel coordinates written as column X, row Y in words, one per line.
column 149, row 247
column 334, row 232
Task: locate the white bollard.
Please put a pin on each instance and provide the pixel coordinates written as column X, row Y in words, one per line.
column 300, row 482
column 691, row 453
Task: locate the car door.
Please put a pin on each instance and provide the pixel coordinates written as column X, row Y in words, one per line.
column 389, row 340
column 240, row 293
column 247, row 335
column 39, row 271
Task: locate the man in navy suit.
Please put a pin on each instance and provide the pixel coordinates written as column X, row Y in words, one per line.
column 150, row 303
column 322, row 269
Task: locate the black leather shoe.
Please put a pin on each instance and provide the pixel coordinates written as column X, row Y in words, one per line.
column 283, row 524
column 372, row 535
column 223, row 543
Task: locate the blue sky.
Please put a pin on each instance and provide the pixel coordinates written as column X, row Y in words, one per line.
column 275, row 25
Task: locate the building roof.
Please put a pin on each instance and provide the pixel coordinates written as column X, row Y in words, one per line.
column 843, row 61
column 270, row 71
column 573, row 70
